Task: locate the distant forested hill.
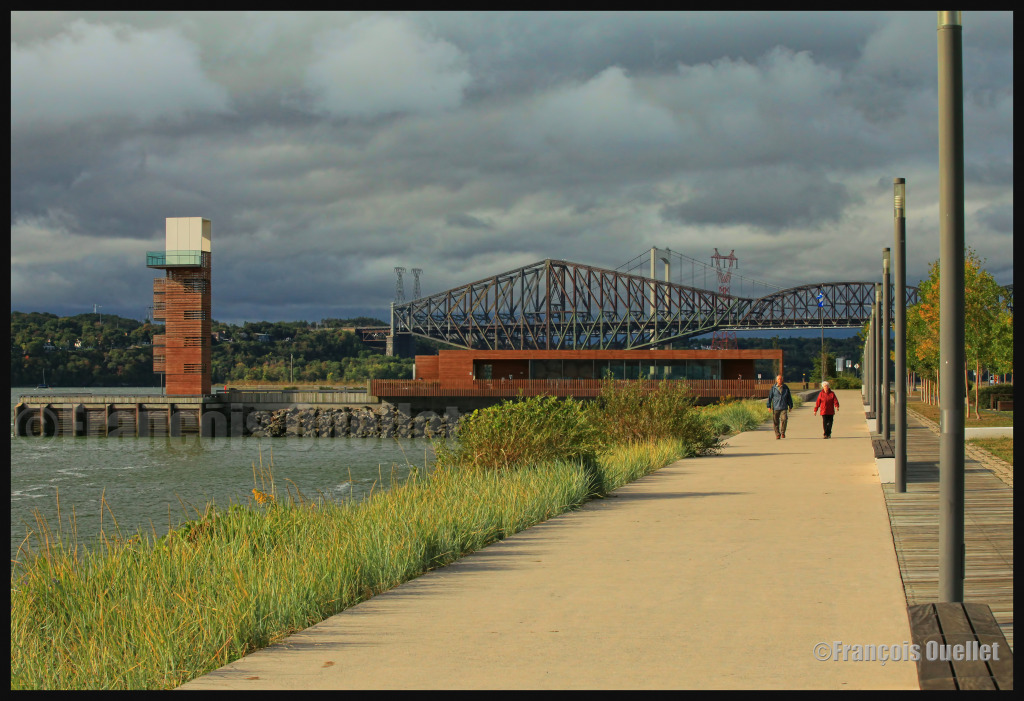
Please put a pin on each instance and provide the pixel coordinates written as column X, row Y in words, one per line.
column 106, row 350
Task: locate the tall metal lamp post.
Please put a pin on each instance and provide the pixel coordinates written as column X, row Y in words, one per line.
column 951, row 305
column 821, row 302
column 878, row 358
column 900, row 321
column 886, row 300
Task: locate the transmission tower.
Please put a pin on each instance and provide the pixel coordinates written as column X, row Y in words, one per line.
column 722, row 340
column 399, row 291
column 416, row 282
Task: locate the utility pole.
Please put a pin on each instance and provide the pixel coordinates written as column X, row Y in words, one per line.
column 900, row 320
column 416, row 282
column 951, row 304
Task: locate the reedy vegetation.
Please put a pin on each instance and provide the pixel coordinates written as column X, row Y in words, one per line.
column 149, row 612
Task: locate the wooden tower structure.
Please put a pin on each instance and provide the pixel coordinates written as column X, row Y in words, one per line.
column 181, row 299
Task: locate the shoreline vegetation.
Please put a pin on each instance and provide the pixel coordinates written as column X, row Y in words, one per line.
column 147, row 612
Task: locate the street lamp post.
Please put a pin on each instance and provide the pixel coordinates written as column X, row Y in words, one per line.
column 886, row 295
column 878, row 358
column 822, row 343
column 900, row 321
column 951, row 305
column 869, row 361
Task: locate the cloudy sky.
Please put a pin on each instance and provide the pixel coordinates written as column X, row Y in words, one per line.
column 329, row 148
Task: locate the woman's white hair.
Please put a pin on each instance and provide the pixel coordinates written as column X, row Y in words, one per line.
column 824, row 384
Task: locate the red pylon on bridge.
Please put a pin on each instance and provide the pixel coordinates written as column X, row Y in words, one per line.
column 723, row 340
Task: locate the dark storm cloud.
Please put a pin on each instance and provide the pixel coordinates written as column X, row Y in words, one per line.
column 330, row 148
column 997, row 217
column 466, row 221
column 768, row 198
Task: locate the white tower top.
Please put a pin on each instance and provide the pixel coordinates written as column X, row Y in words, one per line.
column 188, row 234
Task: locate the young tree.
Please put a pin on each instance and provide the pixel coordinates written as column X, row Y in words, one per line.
column 986, row 333
column 982, row 309
column 923, row 327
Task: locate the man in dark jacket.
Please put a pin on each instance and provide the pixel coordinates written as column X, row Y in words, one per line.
column 780, row 402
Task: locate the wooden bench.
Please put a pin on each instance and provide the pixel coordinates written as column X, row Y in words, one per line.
column 884, row 448
column 1006, row 405
column 971, row 626
column 994, row 399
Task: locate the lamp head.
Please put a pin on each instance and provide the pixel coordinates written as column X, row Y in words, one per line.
column 899, row 186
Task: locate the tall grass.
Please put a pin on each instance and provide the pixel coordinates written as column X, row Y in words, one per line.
column 149, row 612
column 739, row 416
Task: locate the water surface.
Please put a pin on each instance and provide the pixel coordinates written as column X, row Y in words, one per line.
column 156, row 483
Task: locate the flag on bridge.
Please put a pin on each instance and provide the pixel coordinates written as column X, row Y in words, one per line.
column 821, row 298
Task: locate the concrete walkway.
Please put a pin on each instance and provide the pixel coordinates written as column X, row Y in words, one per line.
column 718, row 572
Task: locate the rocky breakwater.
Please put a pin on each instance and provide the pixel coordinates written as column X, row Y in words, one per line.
column 384, row 422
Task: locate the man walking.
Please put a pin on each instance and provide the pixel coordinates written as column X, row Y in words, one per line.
column 780, row 402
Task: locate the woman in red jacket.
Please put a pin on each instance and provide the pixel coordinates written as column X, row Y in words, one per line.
column 827, row 402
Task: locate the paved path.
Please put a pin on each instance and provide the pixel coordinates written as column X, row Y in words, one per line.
column 717, row 572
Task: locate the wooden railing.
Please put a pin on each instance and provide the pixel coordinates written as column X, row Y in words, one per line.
column 559, row 388
column 292, row 396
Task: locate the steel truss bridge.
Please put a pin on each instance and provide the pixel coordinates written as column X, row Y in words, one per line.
column 558, row 305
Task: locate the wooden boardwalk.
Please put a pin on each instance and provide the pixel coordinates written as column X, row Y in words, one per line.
column 988, row 525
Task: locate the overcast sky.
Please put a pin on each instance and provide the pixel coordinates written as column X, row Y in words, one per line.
column 329, row 148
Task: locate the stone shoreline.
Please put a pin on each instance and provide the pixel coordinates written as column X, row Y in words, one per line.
column 384, row 422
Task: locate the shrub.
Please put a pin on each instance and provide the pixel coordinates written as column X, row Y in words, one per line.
column 521, row 432
column 986, row 391
column 845, row 381
column 629, row 413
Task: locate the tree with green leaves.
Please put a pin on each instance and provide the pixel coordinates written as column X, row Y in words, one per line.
column 988, row 324
column 982, row 309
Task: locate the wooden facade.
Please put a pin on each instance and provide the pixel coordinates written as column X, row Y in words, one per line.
column 452, row 366
column 580, row 373
column 182, row 300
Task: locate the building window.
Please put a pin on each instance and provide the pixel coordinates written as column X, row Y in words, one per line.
column 193, row 342
column 195, row 315
column 193, row 368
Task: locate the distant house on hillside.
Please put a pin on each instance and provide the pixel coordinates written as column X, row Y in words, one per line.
column 263, row 337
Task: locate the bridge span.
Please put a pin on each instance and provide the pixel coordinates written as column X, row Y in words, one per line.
column 560, row 305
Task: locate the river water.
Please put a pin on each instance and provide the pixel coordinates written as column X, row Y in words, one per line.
column 145, row 481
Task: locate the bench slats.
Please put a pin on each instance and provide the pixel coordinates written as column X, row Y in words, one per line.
column 884, row 448
column 960, row 624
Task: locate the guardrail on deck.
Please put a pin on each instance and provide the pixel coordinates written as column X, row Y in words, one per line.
column 715, row 389
column 294, row 396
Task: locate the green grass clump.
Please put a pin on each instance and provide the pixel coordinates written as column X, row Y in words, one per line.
column 736, row 417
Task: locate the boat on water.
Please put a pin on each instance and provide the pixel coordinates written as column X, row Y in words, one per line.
column 43, row 385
